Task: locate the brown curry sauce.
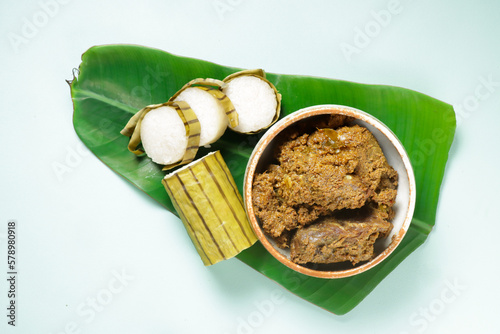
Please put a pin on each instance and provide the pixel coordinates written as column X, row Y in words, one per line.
column 329, row 193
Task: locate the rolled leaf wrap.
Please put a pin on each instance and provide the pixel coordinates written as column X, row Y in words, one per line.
column 256, row 101
column 209, row 204
column 213, row 87
column 191, row 125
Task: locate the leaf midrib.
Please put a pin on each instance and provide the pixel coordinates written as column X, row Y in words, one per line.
column 90, row 94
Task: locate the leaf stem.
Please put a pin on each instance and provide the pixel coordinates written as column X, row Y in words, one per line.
column 104, row 99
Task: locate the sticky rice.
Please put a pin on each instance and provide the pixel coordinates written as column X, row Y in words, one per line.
column 208, row 110
column 255, row 102
column 163, row 135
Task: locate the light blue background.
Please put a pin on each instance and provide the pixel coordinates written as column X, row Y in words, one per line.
column 80, row 230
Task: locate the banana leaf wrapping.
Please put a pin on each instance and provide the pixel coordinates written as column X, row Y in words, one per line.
column 210, row 206
column 188, row 117
column 214, row 88
column 261, row 74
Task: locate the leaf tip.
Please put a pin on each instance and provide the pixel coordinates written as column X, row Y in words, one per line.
column 75, row 73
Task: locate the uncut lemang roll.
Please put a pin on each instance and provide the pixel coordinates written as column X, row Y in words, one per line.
column 210, row 206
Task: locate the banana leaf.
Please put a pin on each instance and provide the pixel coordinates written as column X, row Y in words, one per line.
column 115, row 81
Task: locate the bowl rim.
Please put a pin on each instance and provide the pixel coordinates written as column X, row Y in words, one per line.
column 294, row 117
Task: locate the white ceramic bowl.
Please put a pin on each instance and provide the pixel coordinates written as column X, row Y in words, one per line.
column 397, row 158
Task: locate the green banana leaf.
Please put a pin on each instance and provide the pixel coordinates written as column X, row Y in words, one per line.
column 115, row 81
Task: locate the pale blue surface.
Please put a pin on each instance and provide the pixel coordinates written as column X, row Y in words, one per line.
column 76, row 236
